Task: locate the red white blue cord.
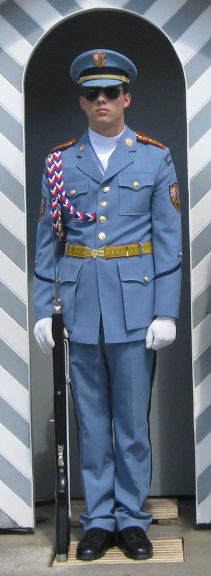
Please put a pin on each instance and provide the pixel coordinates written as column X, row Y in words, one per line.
column 58, row 194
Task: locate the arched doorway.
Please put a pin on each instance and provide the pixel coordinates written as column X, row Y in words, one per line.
column 159, row 109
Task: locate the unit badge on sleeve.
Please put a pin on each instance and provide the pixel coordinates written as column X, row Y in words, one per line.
column 168, row 159
column 42, row 207
column 174, row 195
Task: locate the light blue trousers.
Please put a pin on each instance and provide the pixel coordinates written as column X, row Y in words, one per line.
column 111, row 385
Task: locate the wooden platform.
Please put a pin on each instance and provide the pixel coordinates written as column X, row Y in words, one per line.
column 165, row 550
column 164, row 510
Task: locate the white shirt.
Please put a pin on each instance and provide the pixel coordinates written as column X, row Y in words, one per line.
column 103, row 145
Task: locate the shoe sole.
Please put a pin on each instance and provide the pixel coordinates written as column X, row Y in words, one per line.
column 137, row 556
column 94, row 557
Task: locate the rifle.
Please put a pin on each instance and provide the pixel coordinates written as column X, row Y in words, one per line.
column 61, row 381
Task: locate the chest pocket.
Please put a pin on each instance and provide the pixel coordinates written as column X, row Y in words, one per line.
column 76, row 192
column 135, row 193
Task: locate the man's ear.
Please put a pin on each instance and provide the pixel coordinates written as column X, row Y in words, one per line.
column 82, row 103
column 128, row 98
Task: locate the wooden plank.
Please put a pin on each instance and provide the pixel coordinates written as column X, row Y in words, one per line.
column 165, row 550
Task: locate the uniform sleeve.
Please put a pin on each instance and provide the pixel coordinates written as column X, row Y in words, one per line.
column 46, row 244
column 167, row 241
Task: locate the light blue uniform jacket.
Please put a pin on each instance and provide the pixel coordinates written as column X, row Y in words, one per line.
column 127, row 292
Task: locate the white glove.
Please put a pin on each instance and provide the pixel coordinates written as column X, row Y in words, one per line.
column 161, row 332
column 43, row 335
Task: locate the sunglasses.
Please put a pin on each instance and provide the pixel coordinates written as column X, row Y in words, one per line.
column 111, row 92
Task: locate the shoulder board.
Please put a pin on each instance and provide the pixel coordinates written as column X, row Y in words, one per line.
column 65, row 145
column 148, row 140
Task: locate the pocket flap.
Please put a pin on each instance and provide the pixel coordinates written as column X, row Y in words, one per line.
column 70, row 269
column 138, row 271
column 74, row 188
column 136, row 181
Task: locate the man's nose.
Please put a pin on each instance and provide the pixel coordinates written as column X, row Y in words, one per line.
column 101, row 95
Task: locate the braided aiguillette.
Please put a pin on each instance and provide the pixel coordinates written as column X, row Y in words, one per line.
column 58, row 194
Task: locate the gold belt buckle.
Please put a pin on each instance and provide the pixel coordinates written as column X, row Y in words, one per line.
column 95, row 252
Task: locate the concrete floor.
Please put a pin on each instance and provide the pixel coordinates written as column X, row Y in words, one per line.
column 31, row 554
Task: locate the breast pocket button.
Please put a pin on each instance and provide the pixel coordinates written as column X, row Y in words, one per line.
column 146, row 279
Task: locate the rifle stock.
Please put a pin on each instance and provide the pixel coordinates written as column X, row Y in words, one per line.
column 61, row 443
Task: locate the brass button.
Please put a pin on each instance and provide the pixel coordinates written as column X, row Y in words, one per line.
column 146, row 279
column 72, row 192
column 102, row 219
column 103, row 203
column 105, row 188
column 82, row 148
column 136, row 184
column 101, row 236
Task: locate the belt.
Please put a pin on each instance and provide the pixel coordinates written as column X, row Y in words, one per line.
column 109, row 251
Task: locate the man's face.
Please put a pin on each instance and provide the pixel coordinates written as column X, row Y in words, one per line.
column 105, row 113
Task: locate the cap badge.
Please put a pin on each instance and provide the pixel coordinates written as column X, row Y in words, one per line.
column 128, row 141
column 99, row 59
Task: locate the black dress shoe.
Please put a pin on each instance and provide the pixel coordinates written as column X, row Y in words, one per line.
column 134, row 543
column 94, row 544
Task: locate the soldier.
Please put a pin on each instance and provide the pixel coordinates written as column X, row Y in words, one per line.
column 113, row 198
